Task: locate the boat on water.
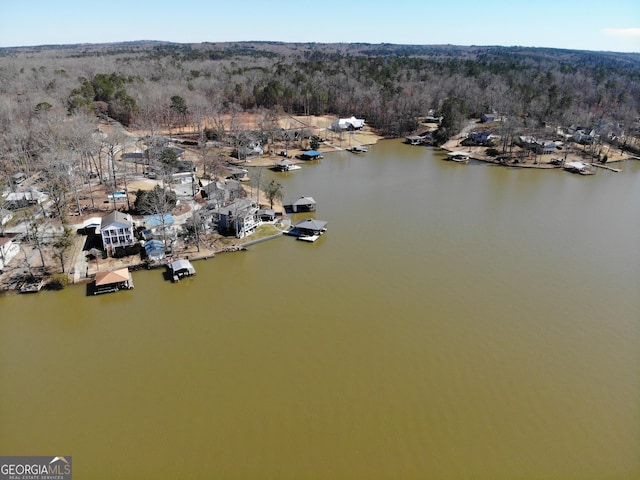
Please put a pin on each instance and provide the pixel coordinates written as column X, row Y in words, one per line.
column 458, row 156
column 358, row 149
column 308, row 238
column 579, row 167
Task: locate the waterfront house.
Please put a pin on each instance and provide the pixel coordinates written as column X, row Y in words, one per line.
column 252, row 150
column 352, row 123
column 116, row 230
column 479, row 138
column 113, row 281
column 237, row 173
column 583, row 137
column 540, row 147
column 239, row 218
column 8, row 250
column 219, row 193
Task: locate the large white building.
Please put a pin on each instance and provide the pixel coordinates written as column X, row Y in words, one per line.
column 352, row 123
column 117, row 231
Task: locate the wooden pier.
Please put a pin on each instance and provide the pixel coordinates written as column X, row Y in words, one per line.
column 606, row 167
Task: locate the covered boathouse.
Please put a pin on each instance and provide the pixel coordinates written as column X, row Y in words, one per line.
column 310, row 155
column 113, row 281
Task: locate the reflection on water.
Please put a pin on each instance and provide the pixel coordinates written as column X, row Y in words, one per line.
column 456, row 321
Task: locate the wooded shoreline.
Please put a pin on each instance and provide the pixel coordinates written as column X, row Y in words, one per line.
column 71, row 113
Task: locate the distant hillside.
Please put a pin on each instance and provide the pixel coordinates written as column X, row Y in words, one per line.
column 390, row 85
column 431, row 52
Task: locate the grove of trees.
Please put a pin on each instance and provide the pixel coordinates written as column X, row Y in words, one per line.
column 52, row 97
column 152, row 85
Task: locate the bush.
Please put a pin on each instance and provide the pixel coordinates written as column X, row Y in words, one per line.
column 58, row 281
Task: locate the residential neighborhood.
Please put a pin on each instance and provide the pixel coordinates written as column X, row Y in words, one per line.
column 146, row 216
column 162, row 212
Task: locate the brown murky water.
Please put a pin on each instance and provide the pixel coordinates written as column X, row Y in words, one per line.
column 456, row 321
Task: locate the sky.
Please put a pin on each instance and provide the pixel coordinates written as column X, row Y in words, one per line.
column 612, row 25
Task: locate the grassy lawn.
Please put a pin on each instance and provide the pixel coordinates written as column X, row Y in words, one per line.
column 263, row 231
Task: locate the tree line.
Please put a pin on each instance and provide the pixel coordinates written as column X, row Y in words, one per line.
column 52, row 97
column 49, row 94
column 385, row 83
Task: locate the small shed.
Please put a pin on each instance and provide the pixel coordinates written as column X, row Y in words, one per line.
column 267, row 215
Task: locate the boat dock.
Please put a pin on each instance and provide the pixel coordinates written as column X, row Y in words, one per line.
column 180, row 269
column 33, row 286
column 606, row 167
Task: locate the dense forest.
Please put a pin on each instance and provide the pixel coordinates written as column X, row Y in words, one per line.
column 51, row 96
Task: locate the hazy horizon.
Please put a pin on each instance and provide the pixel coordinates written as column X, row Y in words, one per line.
column 143, row 41
column 571, row 25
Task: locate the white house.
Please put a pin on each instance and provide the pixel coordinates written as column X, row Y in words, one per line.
column 117, row 231
column 8, row 250
column 352, row 123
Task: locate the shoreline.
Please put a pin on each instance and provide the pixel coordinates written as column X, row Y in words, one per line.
column 82, row 271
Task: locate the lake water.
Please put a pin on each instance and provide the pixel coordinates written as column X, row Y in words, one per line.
column 456, row 322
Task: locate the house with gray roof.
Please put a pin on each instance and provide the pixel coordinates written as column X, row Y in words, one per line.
column 239, row 218
column 219, row 193
column 116, row 230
